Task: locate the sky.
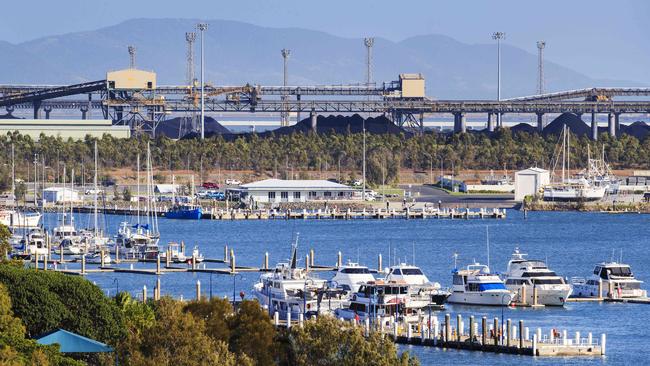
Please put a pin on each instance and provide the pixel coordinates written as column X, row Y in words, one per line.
column 601, row 38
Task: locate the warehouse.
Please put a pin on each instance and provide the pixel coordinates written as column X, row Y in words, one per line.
column 60, row 194
column 279, row 190
column 529, row 182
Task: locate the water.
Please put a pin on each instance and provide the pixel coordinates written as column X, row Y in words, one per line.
column 571, row 242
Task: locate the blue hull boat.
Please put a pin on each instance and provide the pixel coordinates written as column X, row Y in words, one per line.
column 182, row 213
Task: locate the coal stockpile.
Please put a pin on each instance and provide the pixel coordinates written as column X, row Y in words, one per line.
column 523, row 127
column 340, row 125
column 181, row 128
column 638, row 129
column 574, row 123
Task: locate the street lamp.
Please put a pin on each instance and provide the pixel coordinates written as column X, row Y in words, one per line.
column 498, row 36
column 202, row 27
column 430, row 166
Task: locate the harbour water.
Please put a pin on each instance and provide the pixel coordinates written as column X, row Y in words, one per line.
column 571, row 242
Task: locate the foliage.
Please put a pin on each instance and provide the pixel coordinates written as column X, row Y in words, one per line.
column 299, row 152
column 5, row 247
column 17, row 350
column 20, row 191
column 251, row 333
column 126, row 194
column 46, row 301
column 326, row 341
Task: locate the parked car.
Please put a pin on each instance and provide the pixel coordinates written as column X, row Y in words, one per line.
column 210, row 185
column 108, row 182
column 93, row 191
column 232, row 182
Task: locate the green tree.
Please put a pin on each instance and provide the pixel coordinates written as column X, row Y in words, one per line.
column 126, row 194
column 5, row 246
column 251, row 333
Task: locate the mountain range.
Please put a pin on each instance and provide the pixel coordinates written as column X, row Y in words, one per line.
column 237, row 53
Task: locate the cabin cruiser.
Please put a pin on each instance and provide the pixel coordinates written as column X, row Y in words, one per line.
column 96, row 258
column 135, row 242
column 575, row 190
column 13, row 218
column 524, row 274
column 617, row 280
column 292, row 290
column 381, row 299
column 32, row 243
column 177, row 253
column 475, row 285
column 351, row 276
column 420, row 288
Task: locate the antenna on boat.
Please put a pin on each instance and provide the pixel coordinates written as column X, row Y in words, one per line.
column 620, row 258
column 294, row 252
column 389, row 262
column 455, row 260
column 487, row 239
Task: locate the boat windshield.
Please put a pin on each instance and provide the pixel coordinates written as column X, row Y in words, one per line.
column 491, row 286
column 411, row 272
column 620, row 271
column 539, row 274
column 355, row 270
column 552, row 281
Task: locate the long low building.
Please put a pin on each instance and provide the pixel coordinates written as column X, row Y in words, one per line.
column 66, row 128
column 279, row 190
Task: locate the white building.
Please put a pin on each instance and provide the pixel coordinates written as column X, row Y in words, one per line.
column 530, row 181
column 279, row 190
column 60, row 194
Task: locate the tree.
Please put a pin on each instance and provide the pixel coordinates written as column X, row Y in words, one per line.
column 215, row 313
column 126, row 194
column 251, row 333
column 327, row 341
column 20, row 191
column 5, row 246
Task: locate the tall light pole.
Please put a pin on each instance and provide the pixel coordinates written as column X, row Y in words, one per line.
column 285, row 58
column 363, row 193
column 202, row 27
column 368, row 42
column 498, row 36
column 540, row 66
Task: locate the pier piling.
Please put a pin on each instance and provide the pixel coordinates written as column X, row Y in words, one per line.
column 266, row 261
column 198, row 290
column 379, row 264
column 484, row 330
column 144, row 293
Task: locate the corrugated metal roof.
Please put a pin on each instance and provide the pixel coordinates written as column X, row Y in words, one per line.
column 294, row 184
column 536, row 170
column 73, row 343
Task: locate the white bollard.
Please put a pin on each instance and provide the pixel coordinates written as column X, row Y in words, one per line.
column 394, row 329
column 276, row 318
column 603, row 340
column 551, row 336
column 288, row 319
column 564, row 337
column 526, row 333
column 461, row 328
column 577, row 338
column 301, row 319
column 409, row 331
column 589, row 339
column 534, row 345
column 514, row 332
column 539, row 334
column 436, row 330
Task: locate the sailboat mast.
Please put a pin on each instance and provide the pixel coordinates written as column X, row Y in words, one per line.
column 71, row 190
column 64, row 199
column 13, row 173
column 487, row 239
column 95, row 191
column 568, row 153
column 138, row 187
column 563, row 150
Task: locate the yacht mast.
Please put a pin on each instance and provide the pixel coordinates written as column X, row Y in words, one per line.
column 71, row 190
column 568, row 153
column 138, row 187
column 64, row 199
column 13, row 174
column 95, row 191
column 563, row 150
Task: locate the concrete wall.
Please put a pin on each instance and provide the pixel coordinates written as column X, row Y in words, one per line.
column 506, row 188
column 66, row 128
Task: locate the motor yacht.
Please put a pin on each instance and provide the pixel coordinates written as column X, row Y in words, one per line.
column 524, row 275
column 475, row 285
column 351, row 276
column 420, row 288
column 615, row 279
column 177, row 254
column 379, row 299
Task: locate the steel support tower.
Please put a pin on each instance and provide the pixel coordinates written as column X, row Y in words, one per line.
column 540, row 66
column 285, row 58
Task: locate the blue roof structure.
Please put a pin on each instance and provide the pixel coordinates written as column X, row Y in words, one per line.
column 73, row 343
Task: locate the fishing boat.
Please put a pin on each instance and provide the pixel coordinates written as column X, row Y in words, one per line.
column 20, row 219
column 184, row 208
column 615, row 279
column 476, row 285
column 289, row 289
column 524, row 277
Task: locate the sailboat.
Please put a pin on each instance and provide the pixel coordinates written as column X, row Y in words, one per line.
column 65, row 235
column 94, row 238
column 184, row 210
column 579, row 188
column 14, row 218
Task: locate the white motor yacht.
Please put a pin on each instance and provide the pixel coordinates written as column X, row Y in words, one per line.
column 523, row 275
column 351, row 276
column 177, row 254
column 616, row 280
column 379, row 299
column 475, row 285
column 420, row 287
column 13, row 218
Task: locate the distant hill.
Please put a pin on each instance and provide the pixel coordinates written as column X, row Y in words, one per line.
column 239, row 53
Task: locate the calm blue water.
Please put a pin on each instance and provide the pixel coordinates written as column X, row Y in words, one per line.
column 571, row 242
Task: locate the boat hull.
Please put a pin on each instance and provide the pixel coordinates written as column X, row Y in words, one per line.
column 489, row 298
column 193, row 214
column 545, row 296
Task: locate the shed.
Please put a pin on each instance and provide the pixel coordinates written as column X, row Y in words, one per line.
column 166, row 188
column 279, row 190
column 529, row 182
column 73, row 343
column 412, row 85
column 60, row 194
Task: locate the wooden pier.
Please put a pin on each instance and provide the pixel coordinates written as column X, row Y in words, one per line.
column 332, row 214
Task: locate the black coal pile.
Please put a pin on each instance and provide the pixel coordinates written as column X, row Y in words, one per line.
column 523, row 127
column 573, row 122
column 340, row 125
column 181, row 127
column 638, row 129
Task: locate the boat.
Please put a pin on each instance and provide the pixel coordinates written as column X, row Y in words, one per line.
column 379, row 299
column 423, row 292
column 19, row 219
column 93, row 238
column 475, row 285
column 351, row 276
column 615, row 279
column 32, row 244
column 177, row 254
column 183, row 208
column 289, row 289
column 523, row 275
column 590, row 184
column 96, row 258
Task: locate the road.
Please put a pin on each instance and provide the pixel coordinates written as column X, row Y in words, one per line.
column 429, row 194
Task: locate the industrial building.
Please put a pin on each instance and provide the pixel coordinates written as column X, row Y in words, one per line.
column 60, row 194
column 279, row 190
column 529, row 182
column 65, row 128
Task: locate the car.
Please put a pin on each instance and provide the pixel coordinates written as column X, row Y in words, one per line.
column 108, row 182
column 210, row 185
column 94, row 191
column 232, row 182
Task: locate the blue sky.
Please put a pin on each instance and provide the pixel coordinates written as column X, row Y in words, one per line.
column 603, row 39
